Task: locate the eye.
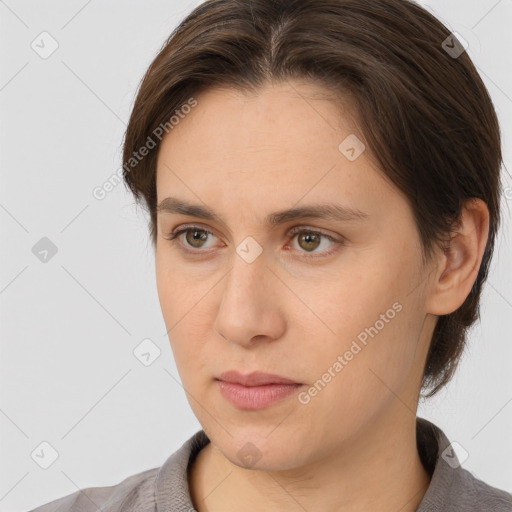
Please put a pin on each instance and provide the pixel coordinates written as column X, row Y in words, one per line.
column 308, row 240
column 195, row 236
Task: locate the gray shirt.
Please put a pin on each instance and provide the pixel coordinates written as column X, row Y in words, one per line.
column 165, row 489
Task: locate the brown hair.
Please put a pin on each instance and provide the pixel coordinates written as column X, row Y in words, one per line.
column 424, row 112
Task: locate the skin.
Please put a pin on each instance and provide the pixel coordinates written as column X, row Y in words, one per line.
column 353, row 446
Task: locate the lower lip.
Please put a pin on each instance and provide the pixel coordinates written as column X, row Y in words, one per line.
column 255, row 397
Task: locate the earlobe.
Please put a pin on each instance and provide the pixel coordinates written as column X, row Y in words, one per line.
column 459, row 263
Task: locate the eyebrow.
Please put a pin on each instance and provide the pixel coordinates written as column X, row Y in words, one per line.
column 318, row 211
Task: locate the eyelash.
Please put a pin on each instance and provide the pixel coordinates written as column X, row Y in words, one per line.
column 173, row 237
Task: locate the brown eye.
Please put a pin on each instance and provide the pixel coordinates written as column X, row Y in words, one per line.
column 195, row 237
column 309, row 241
column 196, row 241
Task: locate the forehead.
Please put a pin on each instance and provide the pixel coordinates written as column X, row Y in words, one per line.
column 277, row 116
column 281, row 143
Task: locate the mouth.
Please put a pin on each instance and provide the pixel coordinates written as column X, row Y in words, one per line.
column 256, row 390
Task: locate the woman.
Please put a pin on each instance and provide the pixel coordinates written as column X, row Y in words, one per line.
column 322, row 180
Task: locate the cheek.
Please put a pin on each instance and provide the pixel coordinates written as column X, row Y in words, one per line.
column 184, row 301
column 179, row 289
column 369, row 318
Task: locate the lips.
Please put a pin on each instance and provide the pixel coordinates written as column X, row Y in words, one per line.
column 255, row 390
column 254, row 378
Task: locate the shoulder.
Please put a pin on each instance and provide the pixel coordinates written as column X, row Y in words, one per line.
column 472, row 493
column 453, row 488
column 134, row 493
column 161, row 488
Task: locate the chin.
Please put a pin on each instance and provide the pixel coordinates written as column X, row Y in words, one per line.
column 265, row 448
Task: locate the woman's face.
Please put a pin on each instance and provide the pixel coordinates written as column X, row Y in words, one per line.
column 335, row 303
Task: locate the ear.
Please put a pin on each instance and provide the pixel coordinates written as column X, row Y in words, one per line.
column 459, row 263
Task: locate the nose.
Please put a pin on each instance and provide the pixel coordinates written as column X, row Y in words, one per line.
column 250, row 309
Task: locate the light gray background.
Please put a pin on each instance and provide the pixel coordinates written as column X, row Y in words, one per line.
column 69, row 326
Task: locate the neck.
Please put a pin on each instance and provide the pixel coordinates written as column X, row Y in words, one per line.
column 379, row 468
